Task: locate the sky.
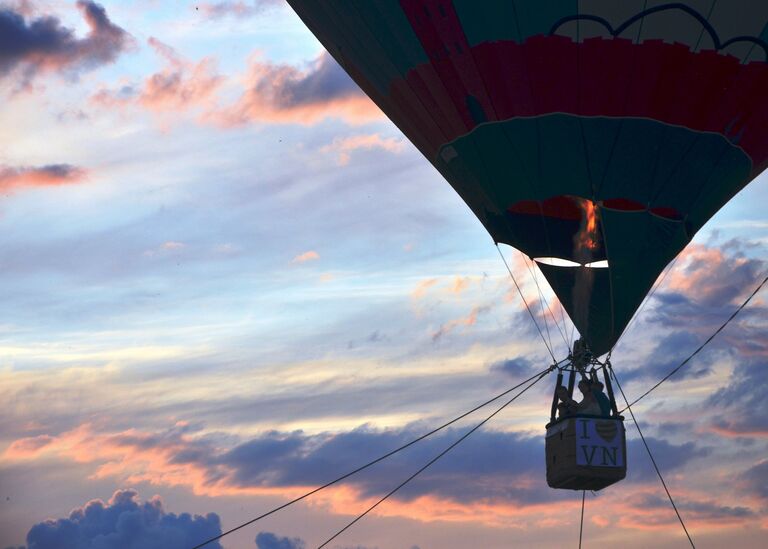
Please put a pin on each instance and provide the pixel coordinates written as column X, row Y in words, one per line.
column 227, row 278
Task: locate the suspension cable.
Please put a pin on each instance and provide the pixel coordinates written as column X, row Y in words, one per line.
column 710, row 338
column 434, row 459
column 532, row 269
column 380, row 458
column 541, row 306
column 519, row 291
column 648, row 449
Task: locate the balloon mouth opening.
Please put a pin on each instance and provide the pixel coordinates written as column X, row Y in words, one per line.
column 559, row 262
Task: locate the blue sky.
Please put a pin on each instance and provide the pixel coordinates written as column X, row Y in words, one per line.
column 226, row 277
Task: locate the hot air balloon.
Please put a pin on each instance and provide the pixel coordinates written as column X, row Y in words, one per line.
column 595, row 136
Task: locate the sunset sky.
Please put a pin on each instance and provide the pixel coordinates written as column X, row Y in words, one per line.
column 227, row 278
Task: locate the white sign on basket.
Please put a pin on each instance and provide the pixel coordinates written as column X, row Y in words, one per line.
column 599, row 442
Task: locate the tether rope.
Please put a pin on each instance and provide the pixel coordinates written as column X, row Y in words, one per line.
column 710, row 338
column 650, row 454
column 377, row 460
column 434, row 459
column 581, row 523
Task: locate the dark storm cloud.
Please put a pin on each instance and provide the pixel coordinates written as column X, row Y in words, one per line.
column 43, row 44
column 268, row 540
column 124, row 523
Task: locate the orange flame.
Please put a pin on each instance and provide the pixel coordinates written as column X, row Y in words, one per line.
column 588, row 238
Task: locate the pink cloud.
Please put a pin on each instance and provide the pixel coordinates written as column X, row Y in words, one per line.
column 732, row 429
column 30, row 447
column 460, row 284
column 44, row 176
column 344, row 146
column 179, row 86
column 22, row 7
column 286, row 94
column 180, row 456
column 271, row 93
column 466, row 321
column 422, row 287
column 310, row 255
column 712, row 275
column 135, row 456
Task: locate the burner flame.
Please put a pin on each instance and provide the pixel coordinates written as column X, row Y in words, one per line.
column 587, row 239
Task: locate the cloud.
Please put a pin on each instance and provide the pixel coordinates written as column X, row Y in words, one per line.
column 44, row 45
column 494, row 466
column 515, row 368
column 270, row 93
column 741, row 403
column 755, row 480
column 29, row 447
column 422, row 287
column 283, row 462
column 494, row 478
column 310, row 255
column 460, row 284
column 238, row 9
column 12, row 178
column 170, row 247
column 343, row 146
column 124, row 522
column 714, row 276
column 180, row 85
column 468, row 320
column 268, row 540
column 672, row 349
column 286, row 94
column 652, row 510
column 704, row 289
column 668, row 456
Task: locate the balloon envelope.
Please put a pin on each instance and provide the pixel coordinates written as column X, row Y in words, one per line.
column 584, row 130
